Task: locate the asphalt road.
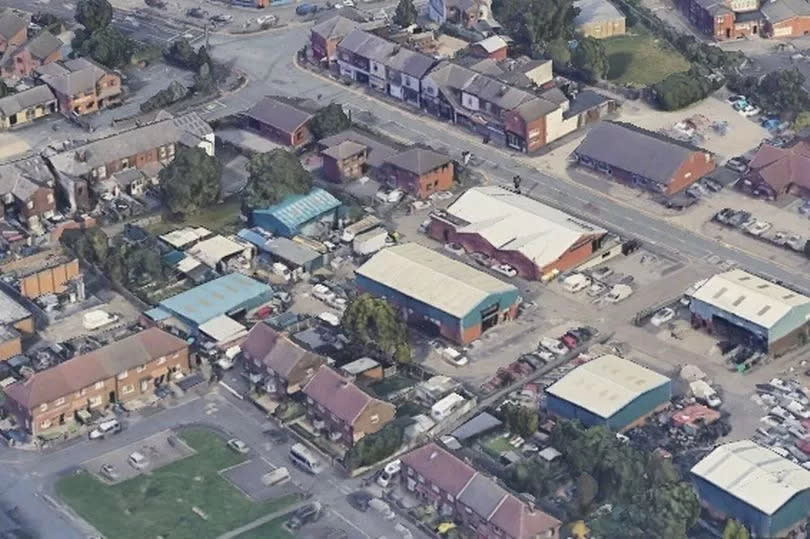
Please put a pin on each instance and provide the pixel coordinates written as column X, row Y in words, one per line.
column 267, row 59
column 27, row 478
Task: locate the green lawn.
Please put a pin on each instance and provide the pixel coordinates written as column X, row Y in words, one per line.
column 218, row 218
column 269, row 530
column 391, row 384
column 160, row 504
column 641, row 59
column 497, row 445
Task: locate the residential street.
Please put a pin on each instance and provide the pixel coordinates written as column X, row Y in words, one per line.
column 29, row 476
column 268, row 60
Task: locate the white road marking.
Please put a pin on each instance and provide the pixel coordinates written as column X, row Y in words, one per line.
column 350, row 523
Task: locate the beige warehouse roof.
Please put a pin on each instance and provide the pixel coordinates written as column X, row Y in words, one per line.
column 223, row 328
column 606, row 384
column 753, row 474
column 214, row 249
column 750, row 297
column 183, row 236
column 432, row 278
column 513, row 222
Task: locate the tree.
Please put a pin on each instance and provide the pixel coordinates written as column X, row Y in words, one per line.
column 181, row 53
column 91, row 244
column 682, row 89
column 272, row 176
column 191, row 181
column 559, row 52
column 406, row 13
column 587, row 489
column 532, row 23
column 329, row 120
column 735, row 530
column 4, row 89
column 782, row 92
column 172, row 94
column 373, row 325
column 377, row 446
column 590, row 57
column 107, row 46
column 520, row 419
column 94, row 14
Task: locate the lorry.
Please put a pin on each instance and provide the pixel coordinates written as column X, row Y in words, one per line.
column 366, row 223
column 705, row 393
column 370, row 241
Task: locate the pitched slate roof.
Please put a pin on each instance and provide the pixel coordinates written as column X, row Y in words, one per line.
column 14, row 103
column 418, row 160
column 338, row 395
column 334, row 27
column 71, row 77
column 343, row 150
column 278, row 114
column 11, row 24
column 411, row 63
column 447, row 472
column 367, row 45
column 781, row 167
column 783, row 10
column 636, row 150
column 43, row 45
column 274, row 350
column 82, row 371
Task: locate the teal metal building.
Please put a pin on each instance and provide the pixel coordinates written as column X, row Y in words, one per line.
column 300, row 214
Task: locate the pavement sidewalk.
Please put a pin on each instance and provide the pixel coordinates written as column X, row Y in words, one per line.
column 262, row 520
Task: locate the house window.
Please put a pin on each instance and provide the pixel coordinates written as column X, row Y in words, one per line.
column 46, row 424
column 127, row 389
column 410, row 471
column 43, row 407
column 60, row 401
column 123, row 375
column 161, row 360
column 99, row 385
column 309, row 400
column 95, row 401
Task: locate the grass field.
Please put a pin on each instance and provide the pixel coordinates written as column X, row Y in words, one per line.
column 497, row 445
column 641, row 59
column 160, row 503
column 269, row 530
column 222, row 218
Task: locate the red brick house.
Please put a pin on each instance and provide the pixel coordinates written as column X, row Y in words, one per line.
column 517, row 230
column 280, row 122
column 419, row 172
column 526, row 125
column 29, row 185
column 493, row 47
column 325, row 36
column 343, row 411
column 786, row 18
column 643, row 158
column 475, row 501
column 40, row 50
column 287, row 367
column 347, row 160
column 81, row 86
column 13, row 31
column 781, row 170
column 119, row 372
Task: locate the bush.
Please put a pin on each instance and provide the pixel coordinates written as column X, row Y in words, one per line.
column 376, row 447
column 680, row 90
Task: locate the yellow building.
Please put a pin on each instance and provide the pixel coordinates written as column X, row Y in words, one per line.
column 598, row 19
column 26, row 106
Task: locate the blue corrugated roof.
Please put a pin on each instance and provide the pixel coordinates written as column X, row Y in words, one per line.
column 295, row 210
column 172, row 258
column 157, row 314
column 220, row 296
column 253, row 237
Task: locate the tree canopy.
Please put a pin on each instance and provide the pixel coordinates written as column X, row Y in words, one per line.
column 373, row 325
column 735, row 530
column 94, row 14
column 590, row 57
column 520, row 419
column 329, row 120
column 272, row 176
column 682, row 89
column 4, row 89
column 533, row 23
column 191, row 181
column 107, row 46
column 377, row 446
column 405, row 14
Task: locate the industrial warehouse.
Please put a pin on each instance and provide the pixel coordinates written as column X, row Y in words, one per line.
column 438, row 293
column 609, row 391
column 742, row 480
column 516, row 230
column 748, row 309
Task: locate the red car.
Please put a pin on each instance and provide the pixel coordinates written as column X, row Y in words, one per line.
column 569, row 341
column 804, row 446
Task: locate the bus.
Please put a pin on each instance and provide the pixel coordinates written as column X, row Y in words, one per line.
column 304, row 459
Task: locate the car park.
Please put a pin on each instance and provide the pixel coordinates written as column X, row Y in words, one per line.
column 138, row 461
column 304, row 515
column 110, row 472
column 602, row 273
column 238, row 445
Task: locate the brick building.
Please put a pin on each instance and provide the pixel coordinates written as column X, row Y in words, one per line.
column 81, row 85
column 724, row 19
column 419, row 172
column 280, row 122
column 598, row 19
column 341, row 410
column 438, row 293
column 286, row 366
column 10, row 343
column 26, row 106
column 517, row 230
column 782, row 171
column 494, row 47
column 119, row 372
column 786, row 18
column 346, row 160
column 643, row 158
column 482, row 508
column 13, row 31
column 325, row 36
column 53, row 278
column 37, row 51
column 27, row 186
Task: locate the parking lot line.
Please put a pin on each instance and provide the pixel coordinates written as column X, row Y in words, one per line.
column 350, row 523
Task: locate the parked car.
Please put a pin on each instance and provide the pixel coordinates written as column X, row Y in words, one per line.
column 576, row 282
column 737, row 164
column 359, row 499
column 276, row 436
column 796, row 242
column 308, row 513
column 779, row 237
column 749, row 111
column 323, row 293
column 305, row 9
column 104, row 429
column 758, row 228
column 221, row 18
column 712, row 185
column 569, row 340
column 505, row 269
column 454, row 357
column 110, row 472
column 138, row 461
column 804, row 209
column 618, row 293
column 602, row 273
column 238, row 445
column 482, row 259
column 597, row 289
column 455, row 248
column 554, row 346
column 663, row 316
column 736, row 98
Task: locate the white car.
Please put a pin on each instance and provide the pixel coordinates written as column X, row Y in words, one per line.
column 505, row 269
column 322, row 292
column 455, row 248
column 597, row 289
column 138, row 461
column 226, row 363
column 618, row 293
column 555, row 346
column 576, row 283
column 454, row 357
column 238, row 445
column 104, row 428
column 663, row 316
column 749, row 111
column 758, row 228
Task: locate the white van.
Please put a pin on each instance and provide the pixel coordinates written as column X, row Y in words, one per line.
column 279, row 476
column 304, row 459
column 388, row 473
column 104, row 428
